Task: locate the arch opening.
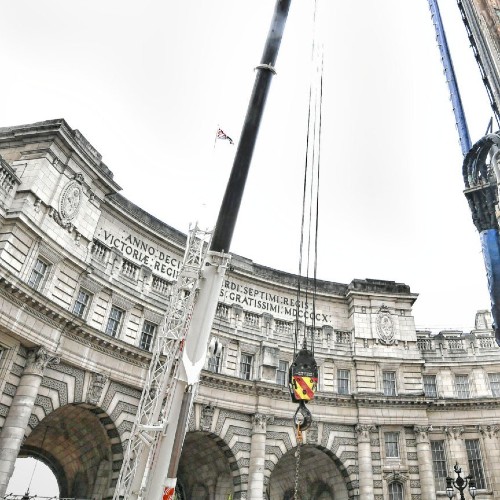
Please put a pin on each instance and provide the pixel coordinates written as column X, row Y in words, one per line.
column 33, row 475
column 206, row 468
column 315, row 466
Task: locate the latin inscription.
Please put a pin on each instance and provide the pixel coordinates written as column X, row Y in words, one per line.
column 262, row 301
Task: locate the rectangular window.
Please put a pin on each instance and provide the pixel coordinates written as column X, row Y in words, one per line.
column 475, row 462
column 114, row 321
column 214, row 362
column 391, row 444
column 430, row 387
column 246, row 366
column 344, row 381
column 147, row 335
column 38, row 274
column 462, row 386
column 282, row 373
column 439, row 464
column 81, row 303
column 389, row 381
column 494, row 383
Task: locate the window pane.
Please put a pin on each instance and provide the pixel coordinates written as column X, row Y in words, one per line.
column 430, row 387
column 391, row 444
column 37, row 274
column 389, row 380
column 475, row 462
column 214, row 362
column 439, row 464
column 396, row 491
column 282, row 373
column 343, row 379
column 81, row 303
column 147, row 335
column 494, row 383
column 246, row 366
column 462, row 386
column 114, row 320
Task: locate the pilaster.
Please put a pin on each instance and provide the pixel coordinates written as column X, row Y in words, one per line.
column 424, row 457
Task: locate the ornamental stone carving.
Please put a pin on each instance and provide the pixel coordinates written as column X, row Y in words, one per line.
column 422, row 433
column 489, row 430
column 207, row 414
column 363, row 431
column 96, row 387
column 385, row 326
column 260, row 421
column 454, row 432
column 71, row 199
column 38, row 359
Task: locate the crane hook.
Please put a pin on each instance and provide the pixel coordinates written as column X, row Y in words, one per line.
column 303, row 417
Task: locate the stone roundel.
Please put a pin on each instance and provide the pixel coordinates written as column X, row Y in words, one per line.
column 70, row 201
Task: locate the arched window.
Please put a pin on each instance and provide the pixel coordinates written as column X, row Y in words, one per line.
column 396, row 491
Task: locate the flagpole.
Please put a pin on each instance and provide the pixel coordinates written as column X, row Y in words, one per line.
column 228, row 213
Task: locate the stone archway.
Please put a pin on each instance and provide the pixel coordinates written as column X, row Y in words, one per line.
column 207, row 468
column 319, row 479
column 81, row 446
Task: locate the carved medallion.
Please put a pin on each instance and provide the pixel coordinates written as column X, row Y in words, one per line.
column 385, row 326
column 70, row 200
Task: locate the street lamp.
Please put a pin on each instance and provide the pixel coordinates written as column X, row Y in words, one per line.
column 460, row 483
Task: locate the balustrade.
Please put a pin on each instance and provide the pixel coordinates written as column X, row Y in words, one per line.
column 160, row 285
column 130, row 270
column 99, row 251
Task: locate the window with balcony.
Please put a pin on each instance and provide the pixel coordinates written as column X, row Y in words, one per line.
column 81, row 303
column 114, row 321
column 38, row 274
column 391, row 440
column 389, row 383
column 439, row 464
column 344, row 381
column 246, row 366
column 282, row 373
column 474, row 458
column 147, row 335
column 430, row 386
column 494, row 383
column 462, row 388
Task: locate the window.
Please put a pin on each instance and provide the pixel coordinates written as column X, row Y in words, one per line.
column 389, row 381
column 475, row 462
column 246, row 366
column 439, row 464
column 462, row 386
column 494, row 383
column 344, row 381
column 81, row 303
column 37, row 274
column 391, row 444
column 396, row 491
column 147, row 335
column 214, row 362
column 114, row 321
column 282, row 373
column 430, row 387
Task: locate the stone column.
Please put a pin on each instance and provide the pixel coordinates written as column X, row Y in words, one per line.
column 457, row 448
column 16, row 423
column 365, row 460
column 424, row 456
column 489, row 434
column 257, row 457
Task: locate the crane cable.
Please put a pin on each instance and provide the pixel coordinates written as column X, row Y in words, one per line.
column 303, row 373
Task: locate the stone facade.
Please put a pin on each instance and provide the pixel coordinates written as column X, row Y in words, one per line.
column 84, row 283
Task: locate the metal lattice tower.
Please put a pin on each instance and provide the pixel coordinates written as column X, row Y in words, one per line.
column 155, row 400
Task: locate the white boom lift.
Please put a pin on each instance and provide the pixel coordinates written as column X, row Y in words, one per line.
column 153, row 451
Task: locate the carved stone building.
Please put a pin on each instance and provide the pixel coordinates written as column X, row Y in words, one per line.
column 84, row 282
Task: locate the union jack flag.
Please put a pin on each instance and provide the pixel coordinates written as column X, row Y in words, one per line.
column 223, row 136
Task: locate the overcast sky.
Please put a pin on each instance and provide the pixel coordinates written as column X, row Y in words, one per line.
column 149, row 82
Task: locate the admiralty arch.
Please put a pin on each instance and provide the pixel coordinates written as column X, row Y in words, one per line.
column 85, row 277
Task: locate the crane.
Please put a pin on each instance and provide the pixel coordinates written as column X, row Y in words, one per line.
column 153, row 451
